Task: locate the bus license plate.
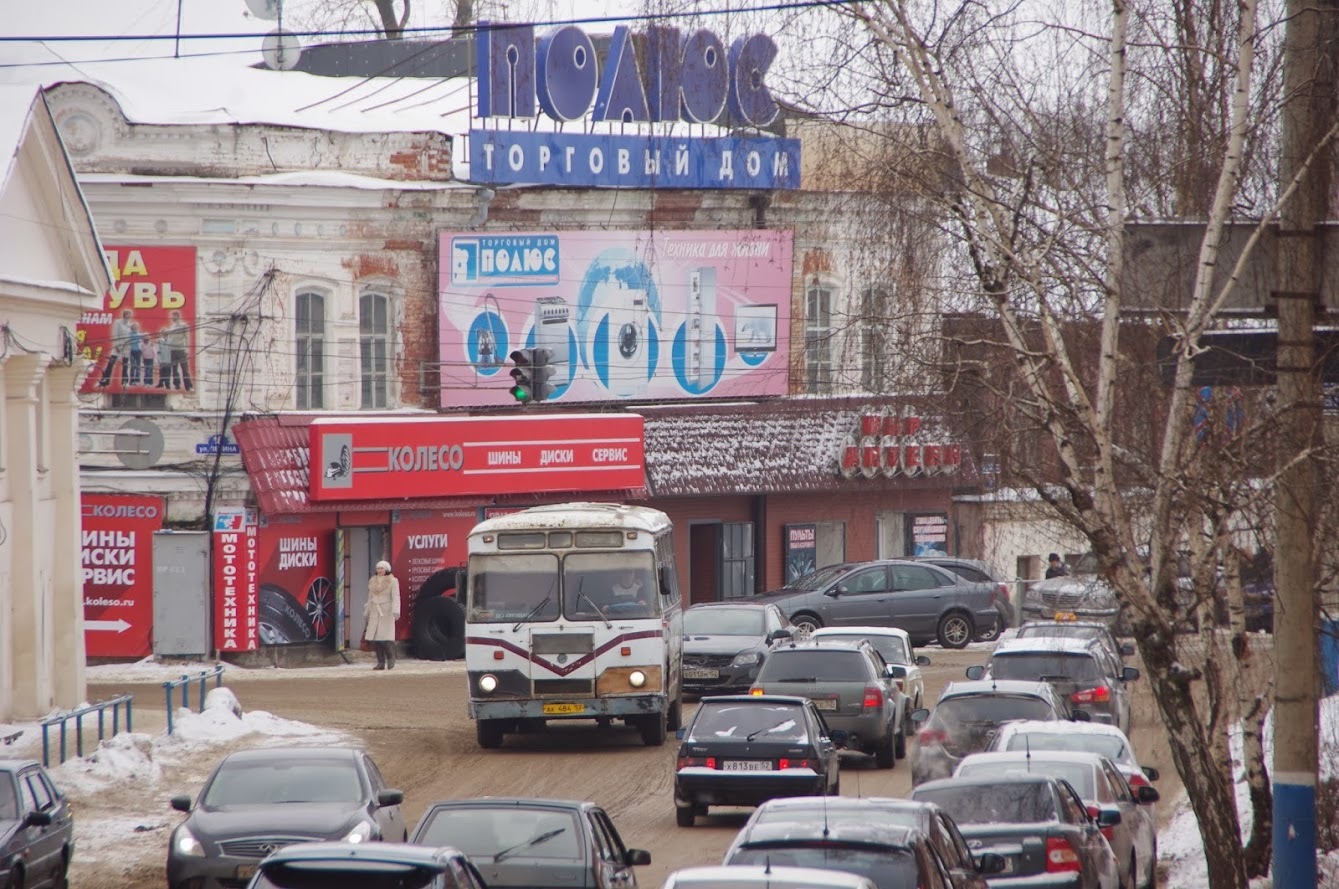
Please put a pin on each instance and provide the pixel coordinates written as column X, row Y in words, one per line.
column 825, row 704
column 746, row 765
column 564, row 709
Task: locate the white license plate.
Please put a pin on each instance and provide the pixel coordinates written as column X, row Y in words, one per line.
column 746, row 765
column 700, row 673
column 828, row 704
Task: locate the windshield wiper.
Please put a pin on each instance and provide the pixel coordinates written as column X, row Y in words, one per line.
column 533, row 611
column 596, row 608
column 533, row 841
column 771, row 728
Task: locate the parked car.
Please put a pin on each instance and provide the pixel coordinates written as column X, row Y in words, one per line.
column 967, row 872
column 258, row 801
column 1102, row 788
column 930, row 603
column 763, row 876
column 526, row 842
column 1036, row 823
column 968, row 716
column 895, row 647
column 366, row 866
column 853, row 687
column 724, row 644
column 1079, row 596
column 1083, row 670
column 1089, row 737
column 981, row 572
column 36, row 827
column 744, row 750
column 893, row 856
column 1078, row 629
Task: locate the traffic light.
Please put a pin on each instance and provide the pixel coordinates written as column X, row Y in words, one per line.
column 530, row 375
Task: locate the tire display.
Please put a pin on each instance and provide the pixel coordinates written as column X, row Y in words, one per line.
column 438, row 629
column 283, row 619
column 441, row 581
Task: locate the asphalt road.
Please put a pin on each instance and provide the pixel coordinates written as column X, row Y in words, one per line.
column 416, row 727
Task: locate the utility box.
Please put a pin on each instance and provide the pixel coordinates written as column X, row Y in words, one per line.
column 181, row 605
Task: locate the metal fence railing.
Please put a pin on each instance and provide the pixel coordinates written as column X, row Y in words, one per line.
column 77, row 717
column 185, row 683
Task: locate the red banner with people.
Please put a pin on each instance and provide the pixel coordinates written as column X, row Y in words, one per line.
column 143, row 338
column 297, row 578
column 424, row 542
column 117, row 560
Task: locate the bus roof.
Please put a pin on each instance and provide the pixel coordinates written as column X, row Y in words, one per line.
column 578, row 515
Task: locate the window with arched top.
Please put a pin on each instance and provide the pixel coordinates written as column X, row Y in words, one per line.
column 374, row 345
column 818, row 336
column 309, row 332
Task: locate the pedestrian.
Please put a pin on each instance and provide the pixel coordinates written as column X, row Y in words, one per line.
column 380, row 613
column 1055, row 567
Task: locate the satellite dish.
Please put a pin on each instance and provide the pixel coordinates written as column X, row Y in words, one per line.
column 138, row 444
column 264, row 9
column 280, row 50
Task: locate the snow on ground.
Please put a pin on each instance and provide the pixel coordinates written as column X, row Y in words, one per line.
column 151, row 670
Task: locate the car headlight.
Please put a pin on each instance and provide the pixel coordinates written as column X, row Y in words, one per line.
column 745, row 659
column 636, row 679
column 185, row 844
column 488, row 683
column 361, row 833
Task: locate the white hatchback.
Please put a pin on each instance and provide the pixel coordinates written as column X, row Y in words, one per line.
column 748, row 876
column 895, row 646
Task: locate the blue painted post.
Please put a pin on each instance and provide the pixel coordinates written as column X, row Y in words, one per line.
column 101, row 712
column 185, row 691
column 62, row 739
column 79, row 732
column 167, row 687
column 130, row 705
column 46, row 751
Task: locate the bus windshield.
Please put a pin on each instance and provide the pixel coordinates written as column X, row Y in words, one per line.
column 599, row 586
column 510, row 587
column 611, row 585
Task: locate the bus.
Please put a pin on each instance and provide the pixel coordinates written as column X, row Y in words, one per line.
column 573, row 611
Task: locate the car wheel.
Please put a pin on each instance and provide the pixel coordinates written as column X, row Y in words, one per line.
column 62, row 878
column 805, row 624
column 885, row 757
column 684, row 816
column 654, row 728
column 900, row 748
column 1134, row 873
column 674, row 721
column 991, row 634
column 15, row 879
column 955, row 630
column 490, row 733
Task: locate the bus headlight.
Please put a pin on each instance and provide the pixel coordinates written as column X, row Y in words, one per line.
column 488, row 683
column 636, row 679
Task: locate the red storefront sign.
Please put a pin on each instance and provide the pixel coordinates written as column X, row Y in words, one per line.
column 387, row 458
column 297, row 578
column 423, row 542
column 117, row 561
column 236, row 595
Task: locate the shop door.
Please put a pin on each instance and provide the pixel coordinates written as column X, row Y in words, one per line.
column 367, row 546
column 704, row 552
column 892, row 535
column 736, row 560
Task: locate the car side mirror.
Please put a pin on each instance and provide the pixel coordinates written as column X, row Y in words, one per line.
column 37, row 819
column 778, row 635
column 638, row 857
column 1105, row 817
column 920, row 715
column 181, row 803
column 840, row 736
column 1148, row 795
column 922, row 661
column 976, row 671
column 390, row 797
column 989, row 863
column 894, row 671
column 1127, row 649
column 680, row 733
column 839, row 590
column 1129, row 674
column 1151, row 773
column 1080, row 716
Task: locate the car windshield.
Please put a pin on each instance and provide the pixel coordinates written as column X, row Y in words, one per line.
column 9, row 806
column 980, row 715
column 814, row 665
column 251, row 782
column 345, row 874
column 758, row 722
column 1035, row 665
column 723, row 622
column 483, row 832
column 986, row 804
column 1111, row 746
column 1078, row 774
column 892, row 648
column 817, row 580
column 890, row 867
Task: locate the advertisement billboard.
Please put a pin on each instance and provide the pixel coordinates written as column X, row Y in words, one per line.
column 117, row 559
column 143, row 338
column 296, row 578
column 423, row 542
column 236, row 597
column 625, row 315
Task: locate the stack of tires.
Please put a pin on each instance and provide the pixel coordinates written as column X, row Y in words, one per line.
column 437, row 630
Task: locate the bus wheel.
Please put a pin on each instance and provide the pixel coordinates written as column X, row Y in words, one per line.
column 654, row 729
column 674, row 721
column 490, row 733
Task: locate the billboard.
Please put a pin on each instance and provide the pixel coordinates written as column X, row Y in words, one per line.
column 627, row 315
column 143, row 338
column 296, row 578
column 423, row 542
column 236, row 598
column 117, row 559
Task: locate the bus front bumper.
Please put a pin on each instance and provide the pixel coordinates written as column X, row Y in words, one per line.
column 572, row 708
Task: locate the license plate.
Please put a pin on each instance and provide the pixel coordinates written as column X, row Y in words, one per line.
column 246, row 871
column 563, row 709
column 700, row 673
column 746, row 765
column 825, row 704
column 1066, row 615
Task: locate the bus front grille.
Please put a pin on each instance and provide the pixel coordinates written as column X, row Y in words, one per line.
column 564, row 687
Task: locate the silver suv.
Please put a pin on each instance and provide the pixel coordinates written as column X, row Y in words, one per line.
column 853, row 687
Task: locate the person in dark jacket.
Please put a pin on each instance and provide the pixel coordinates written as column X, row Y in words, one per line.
column 1055, row 567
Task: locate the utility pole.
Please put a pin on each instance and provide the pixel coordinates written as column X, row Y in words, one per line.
column 1308, row 88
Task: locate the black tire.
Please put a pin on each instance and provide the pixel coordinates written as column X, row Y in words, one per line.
column 955, row 630
column 654, row 728
column 674, row 719
column 685, row 816
column 283, row 619
column 489, row 733
column 991, row 634
column 440, row 582
column 15, row 879
column 806, row 623
column 885, row 755
column 900, row 746
column 438, row 629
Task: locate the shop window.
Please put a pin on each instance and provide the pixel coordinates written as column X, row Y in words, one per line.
column 310, row 334
column 736, row 560
column 829, row 544
column 374, row 347
column 818, row 339
column 873, row 339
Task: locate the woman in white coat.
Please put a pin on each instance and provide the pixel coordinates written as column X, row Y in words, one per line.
column 380, row 613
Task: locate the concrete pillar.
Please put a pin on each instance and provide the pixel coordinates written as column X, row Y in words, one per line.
column 67, row 654
column 29, row 629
